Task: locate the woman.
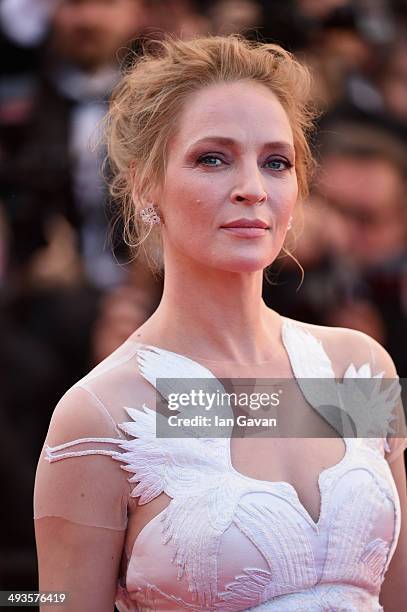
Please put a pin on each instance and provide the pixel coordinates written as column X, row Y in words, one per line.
column 207, row 140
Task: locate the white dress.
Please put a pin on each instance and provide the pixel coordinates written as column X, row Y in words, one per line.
column 225, row 541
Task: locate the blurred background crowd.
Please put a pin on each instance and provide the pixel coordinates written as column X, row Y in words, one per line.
column 70, row 292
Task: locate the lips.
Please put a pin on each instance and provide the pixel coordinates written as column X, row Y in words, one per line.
column 247, row 223
column 246, row 228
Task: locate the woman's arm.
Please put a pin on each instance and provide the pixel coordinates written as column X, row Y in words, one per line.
column 80, row 506
column 80, row 560
column 393, row 594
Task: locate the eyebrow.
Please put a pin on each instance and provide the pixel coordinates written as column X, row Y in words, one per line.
column 224, row 140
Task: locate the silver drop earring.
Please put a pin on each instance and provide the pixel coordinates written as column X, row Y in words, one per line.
column 150, row 215
column 290, row 223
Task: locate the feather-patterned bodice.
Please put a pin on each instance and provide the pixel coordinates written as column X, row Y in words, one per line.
column 229, row 542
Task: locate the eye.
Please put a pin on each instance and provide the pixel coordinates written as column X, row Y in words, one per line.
column 279, row 164
column 210, row 160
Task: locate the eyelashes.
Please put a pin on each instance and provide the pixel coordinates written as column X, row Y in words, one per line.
column 210, row 157
column 285, row 162
column 214, row 160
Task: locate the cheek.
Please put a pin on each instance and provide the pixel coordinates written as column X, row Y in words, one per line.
column 190, row 203
column 292, row 190
column 283, row 199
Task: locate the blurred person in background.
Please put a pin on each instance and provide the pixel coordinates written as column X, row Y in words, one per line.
column 181, row 17
column 392, row 79
column 341, row 55
column 51, row 181
column 50, row 170
column 230, row 16
column 316, row 10
column 363, row 181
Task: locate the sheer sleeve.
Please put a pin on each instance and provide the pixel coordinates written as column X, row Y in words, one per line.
column 396, row 441
column 76, row 477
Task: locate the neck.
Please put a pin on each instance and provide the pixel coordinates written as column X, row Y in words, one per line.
column 221, row 313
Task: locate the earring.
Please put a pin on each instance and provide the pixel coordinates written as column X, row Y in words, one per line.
column 150, row 215
column 290, row 223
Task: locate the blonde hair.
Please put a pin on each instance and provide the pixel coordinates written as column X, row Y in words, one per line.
column 147, row 103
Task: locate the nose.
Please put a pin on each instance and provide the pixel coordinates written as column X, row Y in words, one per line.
column 250, row 188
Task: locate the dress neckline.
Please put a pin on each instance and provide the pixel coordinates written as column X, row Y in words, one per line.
column 287, row 487
column 294, row 339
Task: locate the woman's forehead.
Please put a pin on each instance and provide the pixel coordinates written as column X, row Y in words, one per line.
column 237, row 111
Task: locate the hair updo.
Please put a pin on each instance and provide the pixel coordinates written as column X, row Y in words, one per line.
column 148, row 101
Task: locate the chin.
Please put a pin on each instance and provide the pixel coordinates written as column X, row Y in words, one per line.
column 242, row 265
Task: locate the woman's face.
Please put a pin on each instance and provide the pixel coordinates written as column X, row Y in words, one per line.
column 231, row 159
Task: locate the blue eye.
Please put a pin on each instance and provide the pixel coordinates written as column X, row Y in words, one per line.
column 212, row 158
column 279, row 164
